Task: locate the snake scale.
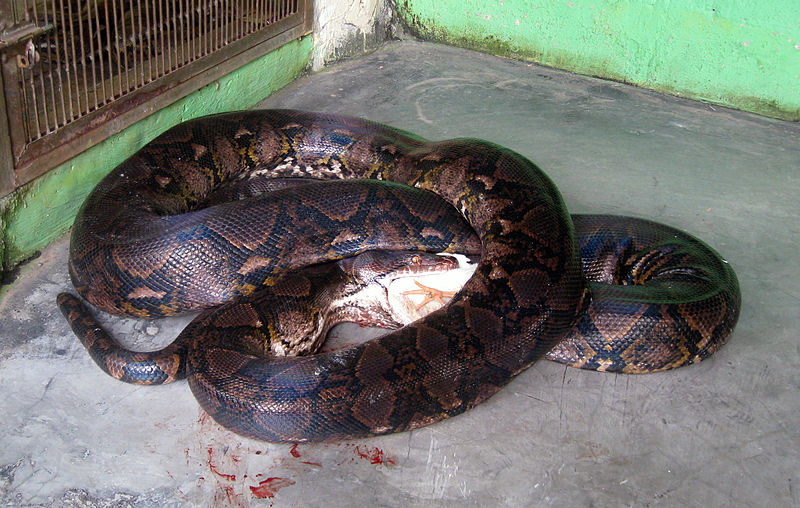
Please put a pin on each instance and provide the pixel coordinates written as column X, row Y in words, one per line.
column 154, row 238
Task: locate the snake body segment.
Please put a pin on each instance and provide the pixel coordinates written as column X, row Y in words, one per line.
column 651, row 298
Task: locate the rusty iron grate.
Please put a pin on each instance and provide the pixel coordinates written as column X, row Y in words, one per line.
column 71, row 66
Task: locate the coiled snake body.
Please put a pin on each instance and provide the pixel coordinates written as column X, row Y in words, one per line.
column 150, row 241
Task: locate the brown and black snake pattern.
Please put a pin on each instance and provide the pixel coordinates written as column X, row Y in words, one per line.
column 145, row 244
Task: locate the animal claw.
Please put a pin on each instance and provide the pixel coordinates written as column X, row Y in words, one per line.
column 429, row 294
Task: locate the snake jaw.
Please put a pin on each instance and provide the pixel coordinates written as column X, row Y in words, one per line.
column 435, row 287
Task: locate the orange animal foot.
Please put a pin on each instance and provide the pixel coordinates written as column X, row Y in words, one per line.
column 429, row 294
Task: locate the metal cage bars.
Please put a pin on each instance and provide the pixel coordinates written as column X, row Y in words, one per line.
column 76, row 71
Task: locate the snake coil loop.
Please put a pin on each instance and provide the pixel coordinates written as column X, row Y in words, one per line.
column 653, row 297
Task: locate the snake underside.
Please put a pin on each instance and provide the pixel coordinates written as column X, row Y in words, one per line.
column 158, row 236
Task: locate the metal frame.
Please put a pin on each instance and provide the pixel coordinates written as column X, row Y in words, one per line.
column 23, row 158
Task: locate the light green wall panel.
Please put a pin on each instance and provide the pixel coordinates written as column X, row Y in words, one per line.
column 743, row 54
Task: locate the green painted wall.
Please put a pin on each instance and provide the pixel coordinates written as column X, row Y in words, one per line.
column 739, row 53
column 38, row 212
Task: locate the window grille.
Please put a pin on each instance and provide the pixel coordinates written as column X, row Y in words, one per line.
column 75, row 72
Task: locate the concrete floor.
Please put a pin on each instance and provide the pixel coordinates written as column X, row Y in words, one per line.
column 721, row 433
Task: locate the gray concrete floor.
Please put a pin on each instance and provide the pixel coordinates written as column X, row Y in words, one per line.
column 721, row 433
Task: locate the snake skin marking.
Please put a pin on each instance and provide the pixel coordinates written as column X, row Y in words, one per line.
column 530, row 295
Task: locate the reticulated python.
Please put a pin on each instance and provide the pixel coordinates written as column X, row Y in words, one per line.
column 152, row 240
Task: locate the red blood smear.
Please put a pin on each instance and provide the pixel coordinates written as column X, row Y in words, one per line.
column 296, row 454
column 230, row 494
column 374, row 455
column 230, row 477
column 270, row 486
